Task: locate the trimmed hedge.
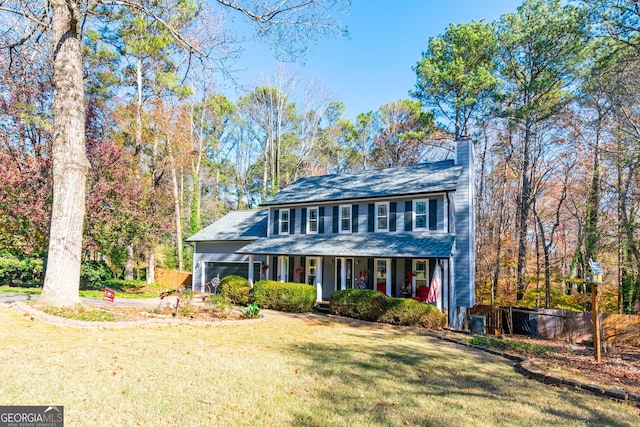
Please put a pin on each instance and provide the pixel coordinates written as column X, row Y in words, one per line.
column 237, row 289
column 289, row 297
column 377, row 307
column 21, row 272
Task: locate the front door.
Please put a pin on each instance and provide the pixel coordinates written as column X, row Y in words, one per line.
column 420, row 274
column 344, row 273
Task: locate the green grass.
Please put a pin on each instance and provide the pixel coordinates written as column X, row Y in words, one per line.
column 297, row 370
column 511, row 345
column 82, row 312
column 89, row 294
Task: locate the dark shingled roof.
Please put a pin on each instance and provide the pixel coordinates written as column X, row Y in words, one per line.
column 383, row 245
column 398, row 181
column 239, row 225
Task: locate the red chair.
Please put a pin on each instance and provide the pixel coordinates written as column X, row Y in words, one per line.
column 422, row 293
column 382, row 287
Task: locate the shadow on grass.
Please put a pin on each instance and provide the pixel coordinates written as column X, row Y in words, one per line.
column 397, row 377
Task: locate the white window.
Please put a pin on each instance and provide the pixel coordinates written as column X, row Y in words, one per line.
column 312, row 220
column 382, row 216
column 420, row 214
column 284, row 221
column 345, row 219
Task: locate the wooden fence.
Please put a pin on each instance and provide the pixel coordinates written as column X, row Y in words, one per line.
column 172, row 279
column 559, row 324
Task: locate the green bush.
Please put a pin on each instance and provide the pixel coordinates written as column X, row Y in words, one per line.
column 20, row 272
column 375, row 306
column 365, row 304
column 94, row 275
column 128, row 286
column 237, row 289
column 289, row 297
column 408, row 312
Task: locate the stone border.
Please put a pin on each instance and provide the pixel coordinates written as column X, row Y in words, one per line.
column 524, row 366
column 64, row 322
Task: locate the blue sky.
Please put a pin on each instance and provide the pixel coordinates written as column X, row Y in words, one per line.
column 373, row 66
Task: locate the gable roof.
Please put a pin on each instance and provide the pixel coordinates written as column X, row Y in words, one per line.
column 238, row 225
column 382, row 245
column 397, row 181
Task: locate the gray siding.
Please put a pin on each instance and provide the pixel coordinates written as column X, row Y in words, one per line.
column 465, row 227
column 218, row 252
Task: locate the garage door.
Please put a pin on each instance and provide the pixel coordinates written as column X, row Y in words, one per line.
column 229, row 269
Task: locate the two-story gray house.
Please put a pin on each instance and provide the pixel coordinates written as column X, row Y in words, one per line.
column 385, row 229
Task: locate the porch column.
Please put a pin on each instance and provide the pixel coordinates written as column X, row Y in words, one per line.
column 343, row 273
column 282, row 273
column 202, row 278
column 250, row 276
column 388, row 284
column 444, row 292
column 319, row 280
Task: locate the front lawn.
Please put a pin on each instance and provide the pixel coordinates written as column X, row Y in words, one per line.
column 90, row 294
column 289, row 370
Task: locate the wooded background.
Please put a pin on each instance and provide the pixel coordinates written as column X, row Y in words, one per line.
column 549, row 94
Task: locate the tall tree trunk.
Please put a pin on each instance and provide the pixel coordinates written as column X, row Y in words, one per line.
column 177, row 206
column 524, row 204
column 70, row 164
column 151, row 265
column 128, row 267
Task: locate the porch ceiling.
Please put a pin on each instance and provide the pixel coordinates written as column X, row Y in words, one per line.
column 377, row 245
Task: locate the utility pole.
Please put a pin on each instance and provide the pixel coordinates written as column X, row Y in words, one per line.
column 595, row 278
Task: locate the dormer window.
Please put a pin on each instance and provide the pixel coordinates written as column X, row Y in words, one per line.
column 345, row 219
column 284, row 221
column 382, row 216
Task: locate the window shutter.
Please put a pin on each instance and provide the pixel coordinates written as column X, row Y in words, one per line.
column 335, row 219
column 394, row 264
column 321, row 220
column 276, row 221
column 274, row 268
column 393, row 207
column 407, row 269
column 291, row 269
column 303, row 268
column 303, row 221
column 408, row 215
column 433, row 214
column 372, row 273
column 292, row 221
column 371, row 218
column 354, row 219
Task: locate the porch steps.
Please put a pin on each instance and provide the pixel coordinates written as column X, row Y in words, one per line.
column 322, row 307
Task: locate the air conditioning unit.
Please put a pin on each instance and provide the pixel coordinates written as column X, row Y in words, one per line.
column 478, row 325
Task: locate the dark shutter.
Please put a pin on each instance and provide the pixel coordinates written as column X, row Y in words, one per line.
column 432, row 267
column 292, row 221
column 372, row 273
column 321, row 220
column 408, row 215
column 303, row 268
column 407, row 269
column 335, row 219
column 371, row 218
column 291, row 268
column 433, row 214
column 354, row 218
column 274, row 268
column 393, row 207
column 276, row 221
column 394, row 276
column 303, row 221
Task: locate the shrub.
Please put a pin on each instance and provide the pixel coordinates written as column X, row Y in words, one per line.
column 128, row 286
column 94, row 275
column 365, row 304
column 221, row 306
column 375, row 306
column 252, row 311
column 408, row 312
column 20, row 272
column 237, row 289
column 289, row 297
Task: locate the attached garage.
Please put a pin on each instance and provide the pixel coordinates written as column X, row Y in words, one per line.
column 215, row 247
